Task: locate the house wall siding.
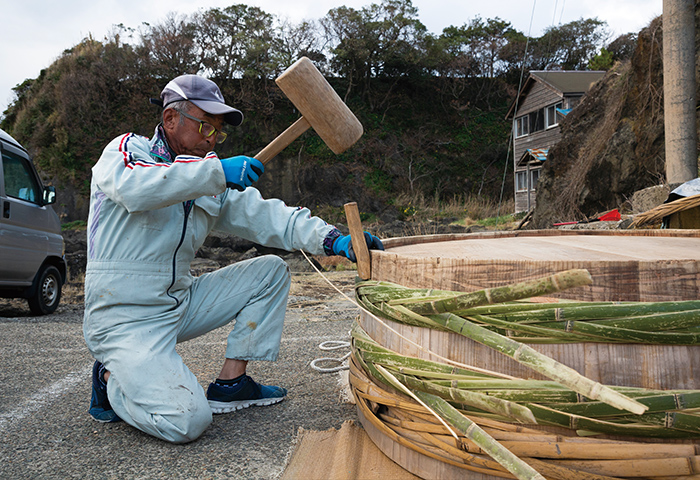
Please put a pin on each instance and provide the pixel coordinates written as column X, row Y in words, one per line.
column 543, row 139
column 539, row 96
column 521, row 201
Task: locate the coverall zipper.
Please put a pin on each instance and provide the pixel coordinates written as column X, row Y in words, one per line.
column 187, row 206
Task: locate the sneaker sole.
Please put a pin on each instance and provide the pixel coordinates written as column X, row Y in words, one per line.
column 113, row 418
column 226, row 407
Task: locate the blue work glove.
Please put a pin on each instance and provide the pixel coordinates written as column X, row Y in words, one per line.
column 342, row 245
column 241, row 171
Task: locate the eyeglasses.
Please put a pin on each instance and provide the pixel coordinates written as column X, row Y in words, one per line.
column 206, row 129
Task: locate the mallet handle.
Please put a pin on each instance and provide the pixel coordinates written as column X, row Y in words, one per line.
column 283, row 140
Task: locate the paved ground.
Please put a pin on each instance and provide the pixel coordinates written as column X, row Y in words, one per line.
column 45, row 388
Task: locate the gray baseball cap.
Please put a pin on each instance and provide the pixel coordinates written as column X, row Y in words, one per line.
column 202, row 92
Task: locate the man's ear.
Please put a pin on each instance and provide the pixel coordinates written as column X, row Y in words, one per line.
column 170, row 117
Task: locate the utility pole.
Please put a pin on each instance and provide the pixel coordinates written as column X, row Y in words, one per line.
column 679, row 90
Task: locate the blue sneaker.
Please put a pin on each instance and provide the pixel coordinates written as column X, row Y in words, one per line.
column 246, row 393
column 100, row 409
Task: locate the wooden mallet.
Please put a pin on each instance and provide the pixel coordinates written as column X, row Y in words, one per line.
column 321, row 108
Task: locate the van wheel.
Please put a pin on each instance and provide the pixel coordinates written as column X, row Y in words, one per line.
column 47, row 291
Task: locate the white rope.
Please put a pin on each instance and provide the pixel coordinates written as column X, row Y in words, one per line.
column 340, row 363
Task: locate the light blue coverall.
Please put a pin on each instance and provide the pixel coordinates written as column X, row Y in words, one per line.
column 149, row 214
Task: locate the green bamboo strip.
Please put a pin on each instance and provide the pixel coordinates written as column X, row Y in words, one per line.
column 430, row 370
column 673, row 420
column 385, row 291
column 547, row 340
column 591, row 311
column 656, row 403
column 472, row 383
column 362, row 340
column 482, row 439
column 532, row 288
column 572, row 402
column 677, row 322
column 549, row 416
column 511, row 410
column 540, row 329
column 624, row 334
column 522, row 310
column 540, row 363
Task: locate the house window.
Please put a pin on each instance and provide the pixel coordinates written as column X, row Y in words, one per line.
column 537, row 121
column 522, row 126
column 534, row 176
column 573, row 101
column 521, row 181
column 551, row 116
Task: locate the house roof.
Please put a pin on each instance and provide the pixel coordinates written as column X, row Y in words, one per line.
column 564, row 82
column 534, row 154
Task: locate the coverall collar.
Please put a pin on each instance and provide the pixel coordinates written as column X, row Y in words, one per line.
column 160, row 147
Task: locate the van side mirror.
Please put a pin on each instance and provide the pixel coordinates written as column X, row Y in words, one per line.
column 49, row 195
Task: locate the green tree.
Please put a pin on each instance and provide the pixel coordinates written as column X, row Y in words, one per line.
column 236, row 42
column 479, row 44
column 602, row 61
column 170, row 47
column 293, row 41
column 93, row 92
column 568, row 47
column 378, row 41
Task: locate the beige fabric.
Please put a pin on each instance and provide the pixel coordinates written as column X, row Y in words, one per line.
column 345, row 454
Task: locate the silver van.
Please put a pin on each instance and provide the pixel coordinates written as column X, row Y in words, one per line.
column 32, row 262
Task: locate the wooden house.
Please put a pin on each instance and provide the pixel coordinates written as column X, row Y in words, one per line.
column 544, row 99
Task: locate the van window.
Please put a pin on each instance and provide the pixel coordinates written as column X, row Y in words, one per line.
column 19, row 179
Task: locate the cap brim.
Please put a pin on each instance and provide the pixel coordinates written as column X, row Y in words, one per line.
column 231, row 115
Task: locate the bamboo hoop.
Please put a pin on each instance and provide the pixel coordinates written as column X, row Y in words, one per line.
column 555, row 456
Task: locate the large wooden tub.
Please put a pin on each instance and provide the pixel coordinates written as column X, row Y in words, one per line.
column 642, row 265
column 637, row 265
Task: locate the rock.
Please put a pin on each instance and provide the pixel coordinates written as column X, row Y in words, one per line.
column 200, row 266
column 647, row 198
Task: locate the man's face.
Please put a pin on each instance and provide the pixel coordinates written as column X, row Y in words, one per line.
column 183, row 132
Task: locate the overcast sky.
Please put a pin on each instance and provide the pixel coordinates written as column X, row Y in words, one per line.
column 34, row 33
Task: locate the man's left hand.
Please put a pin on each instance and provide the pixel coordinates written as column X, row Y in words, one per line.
column 343, row 245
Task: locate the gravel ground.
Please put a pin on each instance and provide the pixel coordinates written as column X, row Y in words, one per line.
column 45, row 376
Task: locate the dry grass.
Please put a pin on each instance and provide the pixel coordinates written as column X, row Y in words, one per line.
column 470, row 210
column 73, row 292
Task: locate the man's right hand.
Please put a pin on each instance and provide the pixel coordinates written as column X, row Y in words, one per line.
column 241, row 171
